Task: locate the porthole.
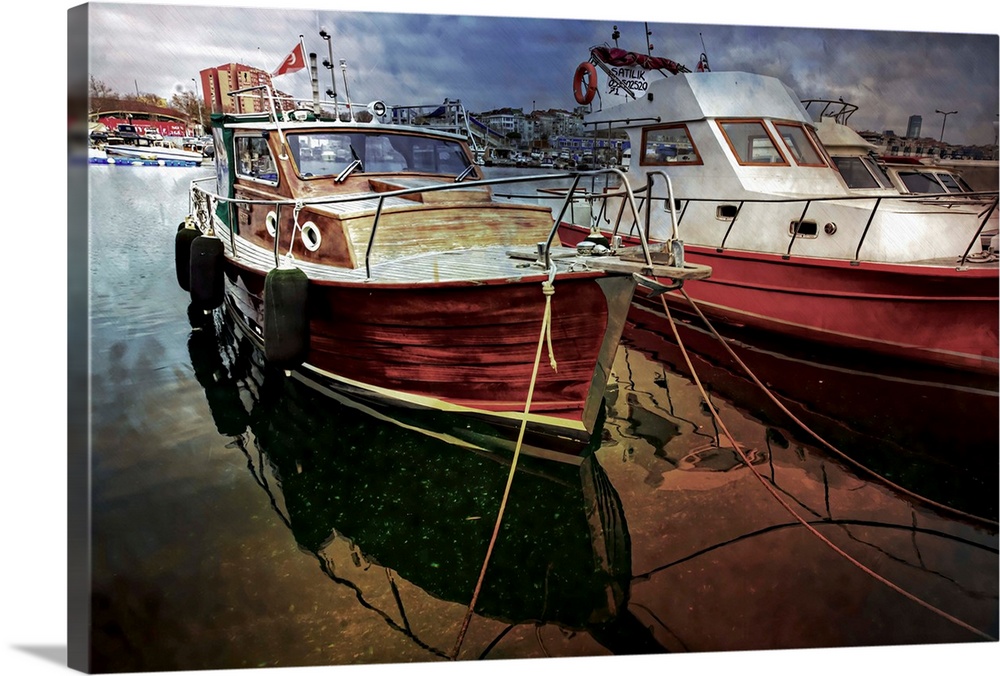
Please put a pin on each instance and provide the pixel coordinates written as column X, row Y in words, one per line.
column 311, row 237
column 726, row 212
column 271, row 223
column 807, row 229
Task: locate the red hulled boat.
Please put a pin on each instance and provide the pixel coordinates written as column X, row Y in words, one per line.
column 796, row 246
column 371, row 258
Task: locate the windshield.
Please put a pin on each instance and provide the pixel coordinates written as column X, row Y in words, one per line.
column 328, row 153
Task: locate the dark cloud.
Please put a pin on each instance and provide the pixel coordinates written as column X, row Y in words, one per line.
column 491, row 62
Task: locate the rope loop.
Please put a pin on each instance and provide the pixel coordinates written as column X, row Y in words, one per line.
column 549, row 290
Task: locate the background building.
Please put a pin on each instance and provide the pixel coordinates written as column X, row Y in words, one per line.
column 913, row 126
column 218, row 82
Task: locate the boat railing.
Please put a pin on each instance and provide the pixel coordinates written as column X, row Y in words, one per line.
column 203, row 203
column 837, row 109
column 987, row 201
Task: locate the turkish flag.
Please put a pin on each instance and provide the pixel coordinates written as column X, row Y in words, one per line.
column 293, row 62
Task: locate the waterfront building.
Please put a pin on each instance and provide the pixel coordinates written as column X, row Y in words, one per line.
column 144, row 116
column 218, row 82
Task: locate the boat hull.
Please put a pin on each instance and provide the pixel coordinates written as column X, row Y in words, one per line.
column 461, row 348
column 154, row 153
column 930, row 314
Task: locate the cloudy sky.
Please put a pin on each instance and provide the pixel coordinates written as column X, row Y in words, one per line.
column 527, row 58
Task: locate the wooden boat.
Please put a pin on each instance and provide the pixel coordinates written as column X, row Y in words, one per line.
column 793, row 248
column 379, row 264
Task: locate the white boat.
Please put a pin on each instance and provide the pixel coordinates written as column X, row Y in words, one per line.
column 794, row 248
column 158, row 151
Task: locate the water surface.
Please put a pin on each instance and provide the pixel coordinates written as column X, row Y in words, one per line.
column 241, row 519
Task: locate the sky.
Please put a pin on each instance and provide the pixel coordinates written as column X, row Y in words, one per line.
column 527, row 61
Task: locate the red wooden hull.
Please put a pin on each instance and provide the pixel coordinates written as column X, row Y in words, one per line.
column 461, row 348
column 935, row 315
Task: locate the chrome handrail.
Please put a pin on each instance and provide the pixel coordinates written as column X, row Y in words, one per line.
column 624, row 190
column 988, row 199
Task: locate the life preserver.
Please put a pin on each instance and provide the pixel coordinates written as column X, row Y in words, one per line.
column 584, row 91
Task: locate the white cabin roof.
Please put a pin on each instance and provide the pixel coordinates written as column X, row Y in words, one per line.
column 696, row 96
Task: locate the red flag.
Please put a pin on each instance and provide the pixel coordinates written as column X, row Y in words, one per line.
column 293, row 62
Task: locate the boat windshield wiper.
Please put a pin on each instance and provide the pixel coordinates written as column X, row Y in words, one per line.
column 465, row 173
column 356, row 164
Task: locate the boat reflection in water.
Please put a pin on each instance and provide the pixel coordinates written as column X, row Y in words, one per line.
column 930, row 431
column 397, row 514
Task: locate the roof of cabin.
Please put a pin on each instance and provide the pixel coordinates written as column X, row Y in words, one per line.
column 695, row 96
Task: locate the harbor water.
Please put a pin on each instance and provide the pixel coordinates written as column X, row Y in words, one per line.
column 242, row 519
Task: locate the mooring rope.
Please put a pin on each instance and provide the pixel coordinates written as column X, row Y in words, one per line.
column 548, row 290
column 820, row 439
column 774, row 493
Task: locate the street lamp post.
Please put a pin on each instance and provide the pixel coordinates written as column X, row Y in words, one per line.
column 197, row 95
column 945, row 119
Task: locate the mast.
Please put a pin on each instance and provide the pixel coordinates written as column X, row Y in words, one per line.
column 328, row 64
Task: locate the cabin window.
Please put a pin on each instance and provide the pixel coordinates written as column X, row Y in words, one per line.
column 799, row 144
column 726, row 212
column 254, row 160
column 919, row 182
column 806, row 229
column 855, row 172
column 668, row 146
column 751, row 142
column 879, row 171
column 326, row 153
column 953, row 183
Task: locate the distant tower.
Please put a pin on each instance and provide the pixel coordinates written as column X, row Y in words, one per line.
column 913, row 127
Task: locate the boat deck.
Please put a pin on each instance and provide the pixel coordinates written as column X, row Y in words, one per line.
column 480, row 265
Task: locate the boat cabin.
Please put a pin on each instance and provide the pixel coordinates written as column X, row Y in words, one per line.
column 354, row 177
column 751, row 170
column 910, row 175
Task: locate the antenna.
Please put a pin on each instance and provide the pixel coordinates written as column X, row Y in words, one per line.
column 314, row 77
column 347, row 91
column 703, row 59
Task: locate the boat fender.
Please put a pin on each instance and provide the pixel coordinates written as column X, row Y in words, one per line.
column 182, row 253
column 585, row 83
column 207, row 256
column 286, row 324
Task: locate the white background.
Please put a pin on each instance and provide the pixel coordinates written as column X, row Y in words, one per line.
column 33, row 361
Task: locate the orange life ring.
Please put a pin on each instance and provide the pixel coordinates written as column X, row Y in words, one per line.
column 584, row 91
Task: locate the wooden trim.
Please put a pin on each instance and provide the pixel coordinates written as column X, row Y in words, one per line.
column 643, row 162
column 739, row 156
column 809, row 137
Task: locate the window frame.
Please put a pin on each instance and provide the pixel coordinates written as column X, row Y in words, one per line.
column 721, row 122
column 238, row 169
column 643, row 162
column 433, row 145
column 778, row 124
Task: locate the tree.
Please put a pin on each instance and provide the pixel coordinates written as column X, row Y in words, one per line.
column 98, row 93
column 189, row 103
column 99, row 90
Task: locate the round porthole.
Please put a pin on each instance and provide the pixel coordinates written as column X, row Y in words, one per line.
column 310, row 236
column 271, row 223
